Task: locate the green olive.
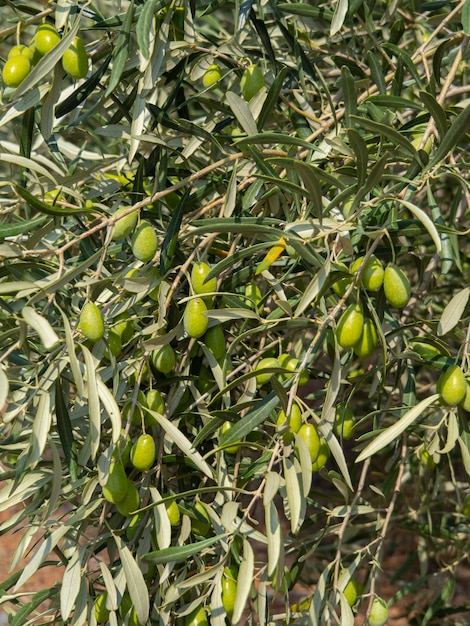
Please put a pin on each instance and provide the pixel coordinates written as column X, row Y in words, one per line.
column 252, row 81
column 199, row 273
column 368, row 341
column 75, row 59
column 195, row 321
column 344, row 421
column 144, row 243
column 164, row 359
column 143, row 453
column 131, row 500
column 126, row 225
column 309, row 434
column 452, row 386
column 91, row 322
column 350, row 326
column 379, row 613
column 15, row 70
column 211, row 76
column 46, row 38
column 372, row 276
column 396, row 286
column 115, row 488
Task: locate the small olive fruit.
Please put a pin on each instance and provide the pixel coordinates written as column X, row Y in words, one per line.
column 310, row 435
column 322, row 457
column 465, row 404
column 124, row 327
column 368, row 341
column 294, row 422
column 91, row 322
column 342, row 283
column 372, row 275
column 200, row 285
column 173, row 512
column 46, row 38
column 396, row 286
column 131, row 500
column 164, row 359
column 229, row 589
column 126, row 225
column 101, row 612
column 234, row 447
column 75, row 59
column 466, row 505
column 200, row 523
column 452, row 386
column 215, row 341
column 195, row 321
column 144, row 243
column 15, row 70
column 211, row 76
column 155, row 401
column 351, row 591
column 254, row 297
column 263, row 377
column 115, row 488
column 252, row 81
column 143, row 453
column 21, row 49
column 198, row 617
column 344, row 421
column 350, row 326
column 291, row 363
column 379, row 613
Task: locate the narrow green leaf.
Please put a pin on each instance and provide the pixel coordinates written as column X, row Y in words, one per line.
column 121, row 51
column 21, row 617
column 400, row 53
column 307, row 10
column 244, row 581
column 349, row 94
column 41, row 427
column 272, row 98
column 94, row 409
column 466, row 17
column 341, row 10
column 49, row 208
column 64, row 427
column 453, row 137
column 425, row 220
column 359, row 146
column 452, row 314
column 275, row 139
column 47, row 544
column 437, row 112
column 19, row 228
column 242, row 113
column 71, row 580
column 447, row 254
column 144, row 24
column 251, row 420
column 393, row 432
column 181, row 553
column 274, row 536
column 41, row 325
column 312, row 185
column 135, row 581
column 4, row 388
column 394, row 102
column 396, row 138
column 172, row 234
column 294, row 491
column 376, row 72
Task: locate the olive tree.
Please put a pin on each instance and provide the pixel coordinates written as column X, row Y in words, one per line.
column 234, row 340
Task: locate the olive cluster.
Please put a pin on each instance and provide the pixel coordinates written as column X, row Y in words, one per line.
column 21, row 58
column 251, row 81
column 354, row 329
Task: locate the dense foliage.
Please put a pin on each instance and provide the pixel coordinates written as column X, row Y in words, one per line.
column 234, row 243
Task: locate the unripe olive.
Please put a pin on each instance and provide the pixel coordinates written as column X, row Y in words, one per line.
column 211, row 76
column 344, row 421
column 143, row 453
column 101, row 612
column 322, row 457
column 198, row 617
column 173, row 512
column 310, row 435
column 372, row 275
column 215, row 341
column 199, row 271
column 46, row 38
column 131, row 500
column 232, row 449
column 144, row 243
column 126, row 225
column 124, row 327
column 351, row 591
column 75, row 59
column 291, row 363
column 368, row 341
column 114, row 344
column 21, row 49
column 229, row 589
column 200, row 523
column 264, row 377
column 465, row 404
column 340, row 285
column 91, row 322
column 255, row 297
column 379, row 613
column 164, row 359
column 15, row 70
column 396, row 286
column 350, row 326
column 115, row 488
column 294, row 422
column 452, row 386
column 195, row 321
column 252, row 81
